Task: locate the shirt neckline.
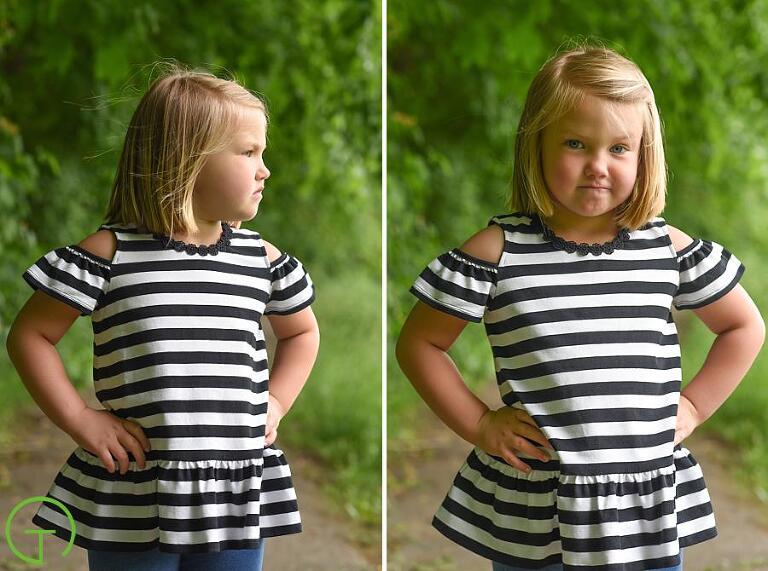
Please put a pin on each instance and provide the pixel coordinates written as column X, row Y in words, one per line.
column 202, row 250
column 582, row 248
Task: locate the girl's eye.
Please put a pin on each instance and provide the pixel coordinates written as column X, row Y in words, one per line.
column 573, row 144
column 248, row 154
column 619, row 149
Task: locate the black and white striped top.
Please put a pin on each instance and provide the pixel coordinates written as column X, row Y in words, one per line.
column 587, row 345
column 178, row 349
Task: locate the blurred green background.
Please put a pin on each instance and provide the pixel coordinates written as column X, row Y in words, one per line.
column 71, row 74
column 457, row 79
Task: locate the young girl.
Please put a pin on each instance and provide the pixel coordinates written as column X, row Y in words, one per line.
column 582, row 468
column 177, row 292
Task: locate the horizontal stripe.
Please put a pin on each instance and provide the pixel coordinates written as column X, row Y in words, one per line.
column 177, row 334
column 183, row 262
column 179, row 358
column 494, row 324
column 147, row 313
column 127, row 292
column 457, row 286
column 161, row 383
column 576, row 340
column 455, row 308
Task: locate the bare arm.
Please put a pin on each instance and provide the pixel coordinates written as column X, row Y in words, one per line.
column 31, row 344
column 298, row 341
column 422, row 352
column 740, row 330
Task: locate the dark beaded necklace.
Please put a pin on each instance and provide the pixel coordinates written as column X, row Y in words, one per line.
column 192, row 249
column 582, row 248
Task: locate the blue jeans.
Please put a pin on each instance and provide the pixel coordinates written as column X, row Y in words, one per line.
column 155, row 560
column 557, row 567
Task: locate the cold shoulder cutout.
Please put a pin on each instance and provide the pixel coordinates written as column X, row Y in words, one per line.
column 102, row 243
column 486, row 245
column 680, row 240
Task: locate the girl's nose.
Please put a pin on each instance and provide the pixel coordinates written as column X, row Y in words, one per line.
column 597, row 166
column 263, row 173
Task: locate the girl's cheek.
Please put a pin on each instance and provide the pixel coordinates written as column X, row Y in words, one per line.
column 566, row 169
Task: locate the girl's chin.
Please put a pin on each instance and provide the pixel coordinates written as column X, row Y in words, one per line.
column 589, row 212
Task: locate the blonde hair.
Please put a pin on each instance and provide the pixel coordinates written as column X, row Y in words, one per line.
column 559, row 86
column 184, row 116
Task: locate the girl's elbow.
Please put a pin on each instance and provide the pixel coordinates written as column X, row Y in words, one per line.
column 760, row 328
column 398, row 351
column 10, row 342
column 754, row 333
column 17, row 343
column 14, row 338
column 316, row 338
column 402, row 348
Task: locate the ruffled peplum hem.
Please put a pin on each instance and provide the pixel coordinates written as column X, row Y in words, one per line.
column 176, row 506
column 628, row 521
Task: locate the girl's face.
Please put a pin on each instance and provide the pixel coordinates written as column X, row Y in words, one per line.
column 231, row 182
column 590, row 158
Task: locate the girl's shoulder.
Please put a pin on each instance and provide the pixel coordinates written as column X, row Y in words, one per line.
column 680, row 240
column 273, row 252
column 102, row 243
column 487, row 245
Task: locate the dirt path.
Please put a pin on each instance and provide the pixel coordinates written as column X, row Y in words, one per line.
column 329, row 541
column 420, row 475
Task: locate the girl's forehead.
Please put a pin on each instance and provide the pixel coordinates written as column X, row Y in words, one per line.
column 595, row 113
column 251, row 123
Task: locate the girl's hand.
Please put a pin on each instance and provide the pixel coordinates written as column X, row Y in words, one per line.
column 275, row 413
column 687, row 419
column 102, row 433
column 504, row 431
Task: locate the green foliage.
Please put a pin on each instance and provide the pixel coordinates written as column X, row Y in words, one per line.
column 71, row 74
column 457, row 79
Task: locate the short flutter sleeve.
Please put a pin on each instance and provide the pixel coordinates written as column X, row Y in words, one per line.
column 458, row 284
column 707, row 272
column 71, row 275
column 292, row 288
